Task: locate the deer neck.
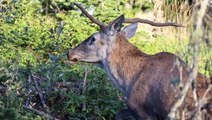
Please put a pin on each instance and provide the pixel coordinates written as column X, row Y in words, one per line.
column 122, row 61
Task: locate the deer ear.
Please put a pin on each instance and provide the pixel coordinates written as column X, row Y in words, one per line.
column 117, row 24
column 130, row 30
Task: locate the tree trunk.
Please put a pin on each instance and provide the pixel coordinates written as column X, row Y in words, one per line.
column 158, row 15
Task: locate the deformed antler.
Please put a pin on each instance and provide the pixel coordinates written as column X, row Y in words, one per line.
column 101, row 24
column 127, row 20
column 133, row 20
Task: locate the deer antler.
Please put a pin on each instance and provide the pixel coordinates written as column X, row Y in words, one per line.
column 101, row 24
column 127, row 20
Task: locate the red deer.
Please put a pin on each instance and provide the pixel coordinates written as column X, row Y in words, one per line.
column 145, row 80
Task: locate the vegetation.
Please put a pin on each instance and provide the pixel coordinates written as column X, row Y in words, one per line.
column 34, row 73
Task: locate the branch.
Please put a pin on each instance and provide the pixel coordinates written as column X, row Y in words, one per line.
column 133, row 20
column 84, row 86
column 33, row 79
column 29, row 91
column 84, row 81
column 101, row 24
column 202, row 102
column 41, row 113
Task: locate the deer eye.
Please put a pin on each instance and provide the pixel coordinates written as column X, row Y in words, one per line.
column 91, row 41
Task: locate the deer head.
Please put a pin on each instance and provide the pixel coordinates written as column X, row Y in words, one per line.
column 96, row 47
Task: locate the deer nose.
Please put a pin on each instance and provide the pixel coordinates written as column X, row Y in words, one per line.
column 72, row 57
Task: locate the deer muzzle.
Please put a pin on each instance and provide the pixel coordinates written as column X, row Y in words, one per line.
column 73, row 57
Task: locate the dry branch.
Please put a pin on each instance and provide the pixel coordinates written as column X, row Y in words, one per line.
column 84, row 86
column 85, row 81
column 202, row 102
column 33, row 79
column 41, row 113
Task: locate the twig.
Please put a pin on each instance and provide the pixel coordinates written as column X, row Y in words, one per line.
column 202, row 102
column 41, row 113
column 84, row 86
column 85, row 80
column 29, row 91
column 34, row 76
column 39, row 93
column 94, row 79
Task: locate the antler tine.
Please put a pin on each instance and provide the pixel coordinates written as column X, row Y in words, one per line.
column 101, row 24
column 127, row 20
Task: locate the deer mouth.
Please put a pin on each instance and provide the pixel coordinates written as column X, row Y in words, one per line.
column 74, row 58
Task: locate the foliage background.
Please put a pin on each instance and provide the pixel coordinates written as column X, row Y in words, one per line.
column 32, row 43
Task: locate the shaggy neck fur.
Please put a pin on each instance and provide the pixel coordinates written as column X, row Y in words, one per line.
column 119, row 65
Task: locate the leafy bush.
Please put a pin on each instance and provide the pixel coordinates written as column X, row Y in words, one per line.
column 34, row 38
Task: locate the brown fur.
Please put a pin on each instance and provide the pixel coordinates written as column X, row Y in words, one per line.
column 147, row 79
